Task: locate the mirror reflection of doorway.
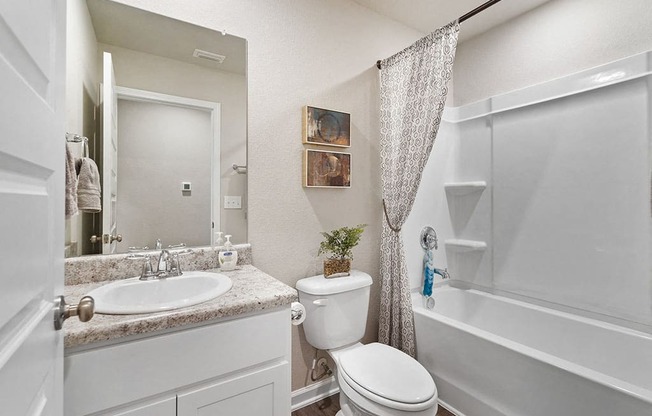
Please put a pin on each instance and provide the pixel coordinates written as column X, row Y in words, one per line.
column 164, row 147
column 91, row 223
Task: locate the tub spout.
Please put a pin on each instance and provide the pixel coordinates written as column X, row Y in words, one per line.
column 443, row 273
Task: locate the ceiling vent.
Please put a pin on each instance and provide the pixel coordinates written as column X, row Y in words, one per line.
column 198, row 53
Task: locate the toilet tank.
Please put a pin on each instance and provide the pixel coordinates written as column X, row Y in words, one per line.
column 336, row 309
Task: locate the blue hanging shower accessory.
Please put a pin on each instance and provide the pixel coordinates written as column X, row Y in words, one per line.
column 428, row 240
column 428, row 273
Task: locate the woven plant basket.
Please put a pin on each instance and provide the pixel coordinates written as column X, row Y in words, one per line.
column 337, row 267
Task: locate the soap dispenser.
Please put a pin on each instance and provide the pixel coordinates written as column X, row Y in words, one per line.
column 228, row 257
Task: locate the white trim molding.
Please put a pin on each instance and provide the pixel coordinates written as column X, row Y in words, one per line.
column 313, row 393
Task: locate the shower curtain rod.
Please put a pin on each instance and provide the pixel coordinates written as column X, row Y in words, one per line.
column 466, row 16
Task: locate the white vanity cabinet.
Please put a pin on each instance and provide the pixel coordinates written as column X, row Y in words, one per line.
column 164, row 407
column 249, row 394
column 235, row 367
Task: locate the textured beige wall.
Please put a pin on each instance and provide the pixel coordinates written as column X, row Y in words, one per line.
column 556, row 39
column 302, row 52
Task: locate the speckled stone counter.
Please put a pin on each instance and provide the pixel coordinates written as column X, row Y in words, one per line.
column 97, row 268
column 252, row 291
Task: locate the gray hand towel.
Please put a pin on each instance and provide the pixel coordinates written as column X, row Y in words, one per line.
column 71, row 184
column 88, row 187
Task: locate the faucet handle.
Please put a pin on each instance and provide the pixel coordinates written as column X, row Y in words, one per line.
column 180, row 245
column 175, row 265
column 148, row 269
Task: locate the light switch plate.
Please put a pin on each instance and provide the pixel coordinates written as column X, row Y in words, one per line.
column 186, row 186
column 232, row 202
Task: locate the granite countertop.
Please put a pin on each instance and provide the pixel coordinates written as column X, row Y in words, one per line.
column 252, row 291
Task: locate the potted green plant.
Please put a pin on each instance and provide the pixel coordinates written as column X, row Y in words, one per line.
column 338, row 245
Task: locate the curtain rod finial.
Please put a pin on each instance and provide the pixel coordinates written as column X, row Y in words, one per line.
column 378, row 64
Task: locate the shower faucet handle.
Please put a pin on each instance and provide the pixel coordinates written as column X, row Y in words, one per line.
column 428, row 238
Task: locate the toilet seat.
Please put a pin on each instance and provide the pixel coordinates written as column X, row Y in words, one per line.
column 388, row 377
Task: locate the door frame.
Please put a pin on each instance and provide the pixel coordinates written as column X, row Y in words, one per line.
column 214, row 108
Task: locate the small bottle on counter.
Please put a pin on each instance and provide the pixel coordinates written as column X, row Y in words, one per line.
column 228, row 257
column 218, row 241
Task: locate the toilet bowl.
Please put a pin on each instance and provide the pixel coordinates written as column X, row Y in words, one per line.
column 374, row 379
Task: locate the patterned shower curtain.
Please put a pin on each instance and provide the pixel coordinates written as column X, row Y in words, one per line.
column 413, row 89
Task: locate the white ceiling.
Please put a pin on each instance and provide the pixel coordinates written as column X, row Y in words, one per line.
column 136, row 29
column 428, row 15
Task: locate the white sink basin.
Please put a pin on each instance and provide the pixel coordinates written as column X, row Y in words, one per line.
column 131, row 296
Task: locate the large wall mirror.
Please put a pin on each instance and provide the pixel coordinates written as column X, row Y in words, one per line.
column 160, row 107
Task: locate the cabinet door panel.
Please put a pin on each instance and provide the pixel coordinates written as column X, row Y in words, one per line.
column 260, row 393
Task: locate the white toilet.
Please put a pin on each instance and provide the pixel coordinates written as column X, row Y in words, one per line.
column 374, row 379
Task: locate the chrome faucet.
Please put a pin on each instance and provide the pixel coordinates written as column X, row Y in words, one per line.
column 168, row 264
column 442, row 272
column 164, row 261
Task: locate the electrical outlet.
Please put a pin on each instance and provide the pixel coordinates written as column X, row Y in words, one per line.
column 232, row 202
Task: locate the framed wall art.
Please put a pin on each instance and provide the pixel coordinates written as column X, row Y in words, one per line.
column 326, row 127
column 324, row 169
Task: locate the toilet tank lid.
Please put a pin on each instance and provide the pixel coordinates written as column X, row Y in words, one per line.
column 319, row 285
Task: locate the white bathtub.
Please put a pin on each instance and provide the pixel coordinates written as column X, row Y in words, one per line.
column 491, row 355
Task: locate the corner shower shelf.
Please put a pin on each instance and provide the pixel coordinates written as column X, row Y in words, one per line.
column 463, row 188
column 462, row 246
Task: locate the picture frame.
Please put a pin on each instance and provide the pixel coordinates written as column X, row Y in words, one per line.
column 324, row 127
column 326, row 169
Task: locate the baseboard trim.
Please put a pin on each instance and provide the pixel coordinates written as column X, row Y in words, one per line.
column 313, row 393
column 450, row 408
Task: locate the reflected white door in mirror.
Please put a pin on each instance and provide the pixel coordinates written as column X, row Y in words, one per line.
column 166, row 142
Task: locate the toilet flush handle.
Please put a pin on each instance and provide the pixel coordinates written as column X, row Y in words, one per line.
column 320, row 302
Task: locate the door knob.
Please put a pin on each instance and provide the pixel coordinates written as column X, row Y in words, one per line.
column 85, row 310
column 117, row 238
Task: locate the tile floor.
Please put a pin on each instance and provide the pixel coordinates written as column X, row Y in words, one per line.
column 330, row 405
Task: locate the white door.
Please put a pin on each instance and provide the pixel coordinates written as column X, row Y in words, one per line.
column 32, row 159
column 109, row 102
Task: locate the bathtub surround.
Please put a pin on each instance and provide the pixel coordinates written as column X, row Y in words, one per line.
column 486, row 68
column 572, row 228
column 494, row 356
column 410, row 115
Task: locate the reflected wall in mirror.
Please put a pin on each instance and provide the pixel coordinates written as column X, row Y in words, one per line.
column 179, row 123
